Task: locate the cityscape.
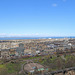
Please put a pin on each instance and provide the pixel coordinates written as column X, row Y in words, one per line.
column 37, row 37
column 35, row 56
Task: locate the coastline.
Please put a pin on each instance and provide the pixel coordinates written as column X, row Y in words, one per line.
column 24, row 38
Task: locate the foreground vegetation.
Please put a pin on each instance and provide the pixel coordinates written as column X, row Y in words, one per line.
column 10, row 68
column 53, row 63
column 57, row 62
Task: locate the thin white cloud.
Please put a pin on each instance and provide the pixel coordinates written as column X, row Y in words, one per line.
column 36, row 33
column 64, row 0
column 18, row 35
column 54, row 5
column 53, row 34
column 3, row 34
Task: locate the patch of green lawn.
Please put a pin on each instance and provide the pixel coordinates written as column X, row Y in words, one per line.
column 2, row 66
column 12, row 68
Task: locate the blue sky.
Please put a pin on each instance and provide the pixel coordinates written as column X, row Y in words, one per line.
column 37, row 17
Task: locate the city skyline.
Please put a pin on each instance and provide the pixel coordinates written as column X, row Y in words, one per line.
column 30, row 18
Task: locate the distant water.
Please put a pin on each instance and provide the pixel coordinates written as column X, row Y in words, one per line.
column 20, row 38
